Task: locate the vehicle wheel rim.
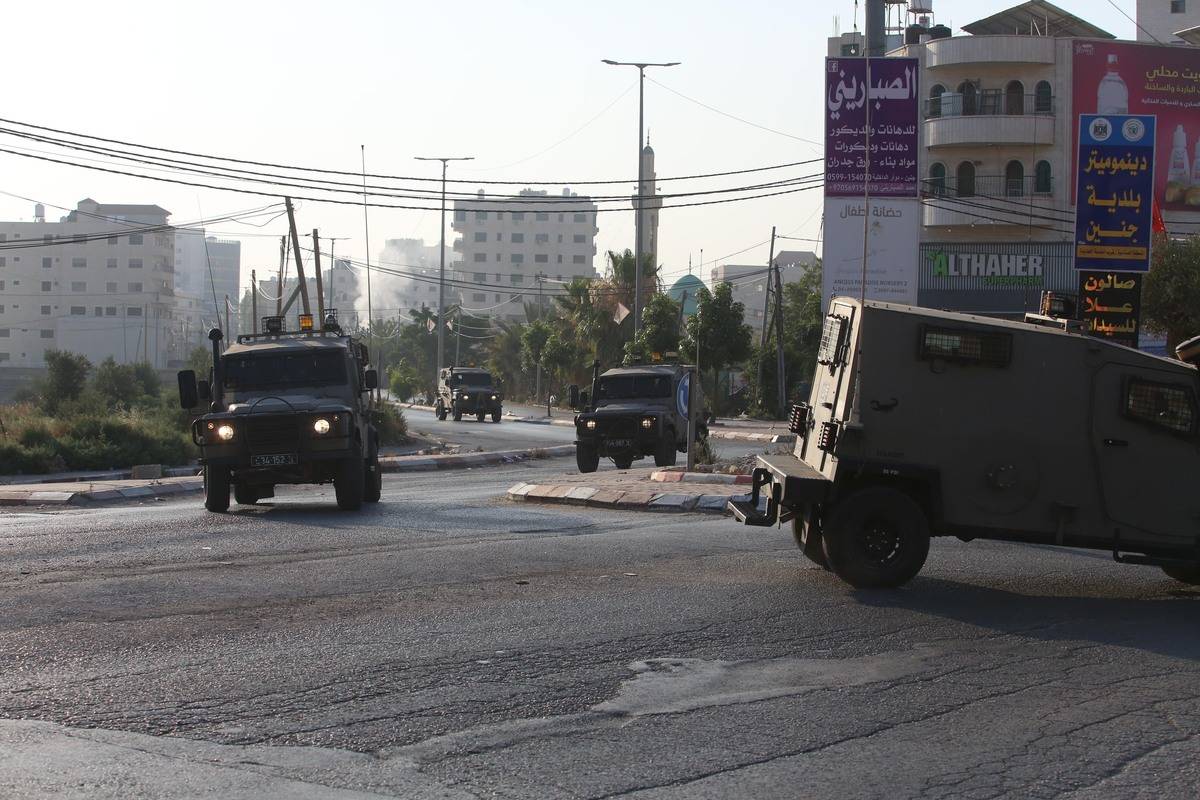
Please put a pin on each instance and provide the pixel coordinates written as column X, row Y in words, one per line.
column 881, row 541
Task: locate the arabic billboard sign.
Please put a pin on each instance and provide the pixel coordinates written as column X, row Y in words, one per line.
column 894, row 101
column 894, row 230
column 1129, row 78
column 1114, row 193
column 1110, row 305
column 1001, row 278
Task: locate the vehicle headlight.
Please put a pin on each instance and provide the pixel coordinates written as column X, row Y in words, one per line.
column 591, row 424
column 648, row 422
column 321, row 426
column 225, row 432
column 495, row 397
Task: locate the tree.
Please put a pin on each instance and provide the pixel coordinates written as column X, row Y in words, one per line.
column 1171, row 290
column 533, row 342
column 659, row 332
column 802, row 322
column 719, row 327
column 200, row 361
column 147, row 378
column 66, row 377
column 503, row 358
column 117, row 384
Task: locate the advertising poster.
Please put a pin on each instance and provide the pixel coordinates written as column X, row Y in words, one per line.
column 894, row 227
column 1129, row 78
column 1114, row 193
column 1110, row 305
column 894, row 99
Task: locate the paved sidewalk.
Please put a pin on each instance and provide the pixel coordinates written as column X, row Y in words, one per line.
column 631, row 490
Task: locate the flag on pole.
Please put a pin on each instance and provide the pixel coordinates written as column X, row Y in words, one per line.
column 430, row 325
column 1157, row 225
column 620, row 314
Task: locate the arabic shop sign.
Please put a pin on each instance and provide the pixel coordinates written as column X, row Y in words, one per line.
column 891, row 103
column 1110, row 305
column 1114, row 193
column 996, row 269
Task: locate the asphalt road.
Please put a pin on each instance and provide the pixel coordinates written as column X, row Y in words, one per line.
column 446, row 644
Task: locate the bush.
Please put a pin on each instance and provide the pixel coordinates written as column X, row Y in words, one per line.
column 391, row 424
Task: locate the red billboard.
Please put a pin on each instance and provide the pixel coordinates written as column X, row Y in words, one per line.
column 1113, row 77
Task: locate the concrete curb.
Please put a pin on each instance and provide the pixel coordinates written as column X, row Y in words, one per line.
column 767, row 438
column 673, row 476
column 88, row 477
column 622, row 499
column 25, row 497
column 469, row 460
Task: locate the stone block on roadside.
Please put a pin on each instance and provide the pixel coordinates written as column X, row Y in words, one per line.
column 674, row 502
column 49, row 498
column 606, row 497
column 579, row 495
column 714, row 503
column 146, row 472
column 136, row 491
column 542, row 492
column 636, row 499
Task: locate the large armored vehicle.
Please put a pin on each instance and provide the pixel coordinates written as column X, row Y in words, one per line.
column 286, row 408
column 926, row 423
column 467, row 390
column 633, row 412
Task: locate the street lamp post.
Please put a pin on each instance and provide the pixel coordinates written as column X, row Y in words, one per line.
column 638, row 199
column 441, row 323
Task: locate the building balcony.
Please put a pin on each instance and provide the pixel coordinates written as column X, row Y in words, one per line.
column 989, row 118
column 989, row 50
column 989, row 200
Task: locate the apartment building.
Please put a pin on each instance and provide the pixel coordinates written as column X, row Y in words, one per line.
column 514, row 251
column 1164, row 20
column 749, row 282
column 343, row 286
column 99, row 282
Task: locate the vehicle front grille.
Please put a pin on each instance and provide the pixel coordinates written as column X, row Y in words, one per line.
column 273, row 434
column 618, row 428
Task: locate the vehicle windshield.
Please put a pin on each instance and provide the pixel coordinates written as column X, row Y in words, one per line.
column 470, row 379
column 288, row 369
column 633, row 387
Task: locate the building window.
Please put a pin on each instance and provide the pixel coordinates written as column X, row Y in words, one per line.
column 481, row 216
column 1178, row 6
column 479, row 298
column 110, row 311
column 78, row 311
column 935, row 100
column 481, row 277
column 47, row 262
column 579, row 238
column 110, row 288
column 1014, row 98
column 460, row 216
column 135, row 287
column 99, row 311
column 79, row 263
column 4, row 333
column 518, row 258
column 578, row 259
column 1043, row 98
column 110, row 263
column 112, row 240
column 481, row 236
column 518, row 216
column 480, row 257
column 45, row 311
column 133, row 311
column 541, row 258
column 1043, row 182
column 560, row 258
column 45, row 286
column 516, row 280
column 581, row 217
column 79, row 238
column 47, row 334
column 135, row 238
column 969, row 98
column 964, row 180
column 542, row 216
column 135, row 263
column 937, row 179
column 1014, row 179
column 517, row 238
column 47, row 238
column 78, row 286
column 3, row 260
column 498, row 256
column 541, row 238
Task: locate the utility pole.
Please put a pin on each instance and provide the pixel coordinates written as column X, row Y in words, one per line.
column 362, row 148
column 282, row 263
column 762, row 342
column 253, row 301
column 227, row 328
column 442, row 262
column 299, row 262
column 638, row 199
column 781, row 368
column 693, row 387
column 320, row 283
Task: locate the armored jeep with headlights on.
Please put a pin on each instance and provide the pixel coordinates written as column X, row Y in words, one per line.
column 286, row 408
column 928, row 423
column 467, row 390
column 634, row 412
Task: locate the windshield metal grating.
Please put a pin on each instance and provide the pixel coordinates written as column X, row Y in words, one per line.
column 832, row 350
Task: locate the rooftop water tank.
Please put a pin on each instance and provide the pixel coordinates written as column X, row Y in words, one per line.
column 939, row 32
column 913, row 33
column 920, row 6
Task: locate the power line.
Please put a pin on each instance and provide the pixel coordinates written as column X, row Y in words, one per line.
column 730, row 116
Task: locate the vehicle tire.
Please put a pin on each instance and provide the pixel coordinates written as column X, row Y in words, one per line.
column 480, row 416
column 496, row 417
column 440, row 411
column 624, row 462
column 458, row 415
column 876, row 538
column 664, row 451
column 216, row 488
column 246, row 495
column 350, row 484
column 806, row 523
column 1188, row 575
column 372, row 481
column 587, row 458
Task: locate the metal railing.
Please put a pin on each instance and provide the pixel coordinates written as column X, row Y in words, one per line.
column 989, row 103
column 988, row 186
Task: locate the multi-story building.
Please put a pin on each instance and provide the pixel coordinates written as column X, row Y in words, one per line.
column 411, row 280
column 99, row 282
column 205, row 265
column 342, row 286
column 1164, row 20
column 749, row 282
column 513, row 252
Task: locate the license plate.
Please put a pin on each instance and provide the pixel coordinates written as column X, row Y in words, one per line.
column 617, row 443
column 273, row 461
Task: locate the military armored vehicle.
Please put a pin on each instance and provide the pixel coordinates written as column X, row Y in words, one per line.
column 926, row 423
column 467, row 390
column 286, row 407
column 633, row 412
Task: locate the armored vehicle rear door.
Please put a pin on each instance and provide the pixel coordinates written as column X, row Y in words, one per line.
column 1144, row 435
column 831, row 395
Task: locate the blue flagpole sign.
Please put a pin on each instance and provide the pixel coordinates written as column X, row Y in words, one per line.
column 1114, row 194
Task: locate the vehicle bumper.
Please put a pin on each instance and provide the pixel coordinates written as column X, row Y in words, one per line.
column 607, row 446
column 790, row 484
column 476, row 406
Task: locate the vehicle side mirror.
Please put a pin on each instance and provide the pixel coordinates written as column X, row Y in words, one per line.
column 188, row 396
column 371, row 380
column 204, row 389
column 584, row 399
column 573, row 397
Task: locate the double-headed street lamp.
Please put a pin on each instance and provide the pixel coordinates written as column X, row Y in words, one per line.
column 441, row 324
column 637, row 198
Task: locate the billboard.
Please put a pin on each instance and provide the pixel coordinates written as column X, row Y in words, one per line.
column 894, row 231
column 1114, row 193
column 1113, row 77
column 892, row 101
column 1110, row 305
column 998, row 278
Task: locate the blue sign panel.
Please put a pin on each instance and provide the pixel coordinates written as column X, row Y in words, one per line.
column 1115, row 192
column 681, row 394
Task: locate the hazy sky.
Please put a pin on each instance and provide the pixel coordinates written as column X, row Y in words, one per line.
column 307, row 83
